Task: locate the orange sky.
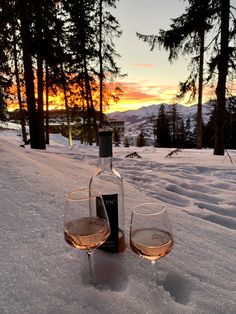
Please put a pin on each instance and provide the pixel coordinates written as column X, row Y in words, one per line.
column 151, row 78
column 135, row 95
column 139, row 94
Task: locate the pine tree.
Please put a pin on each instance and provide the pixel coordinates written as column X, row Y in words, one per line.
column 189, row 136
column 116, row 137
column 17, row 77
column 5, row 75
column 186, row 36
column 36, row 43
column 141, row 140
column 162, row 129
column 92, row 30
column 108, row 28
column 126, row 142
column 232, row 123
column 181, row 135
column 208, row 131
column 222, row 77
column 175, row 125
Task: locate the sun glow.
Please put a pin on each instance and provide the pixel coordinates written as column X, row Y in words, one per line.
column 134, row 95
column 140, row 94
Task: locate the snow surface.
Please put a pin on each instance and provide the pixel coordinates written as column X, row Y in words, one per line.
column 40, row 273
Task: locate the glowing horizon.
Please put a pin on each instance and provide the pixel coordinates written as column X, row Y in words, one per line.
column 141, row 94
column 135, row 95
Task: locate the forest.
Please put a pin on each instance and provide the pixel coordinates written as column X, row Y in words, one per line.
column 170, row 129
column 48, row 46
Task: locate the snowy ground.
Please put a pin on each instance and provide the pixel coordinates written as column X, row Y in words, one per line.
column 41, row 274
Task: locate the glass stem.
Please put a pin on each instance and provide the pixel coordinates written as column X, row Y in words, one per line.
column 92, row 275
column 153, row 266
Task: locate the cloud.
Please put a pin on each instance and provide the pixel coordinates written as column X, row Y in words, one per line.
column 143, row 65
column 142, row 93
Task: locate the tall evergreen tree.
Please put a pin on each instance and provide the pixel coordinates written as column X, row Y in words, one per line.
column 186, row 36
column 189, row 136
column 181, row 135
column 162, row 129
column 126, row 141
column 33, row 16
column 208, row 131
column 141, row 140
column 5, row 77
column 108, row 29
column 232, row 123
column 116, row 137
column 17, row 77
column 26, row 19
column 223, row 60
column 82, row 47
column 175, row 125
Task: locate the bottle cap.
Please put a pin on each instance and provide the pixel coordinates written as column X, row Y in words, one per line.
column 105, row 143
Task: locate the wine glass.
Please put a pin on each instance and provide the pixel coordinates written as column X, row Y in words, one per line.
column 150, row 231
column 86, row 224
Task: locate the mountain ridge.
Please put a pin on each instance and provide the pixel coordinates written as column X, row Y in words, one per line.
column 138, row 119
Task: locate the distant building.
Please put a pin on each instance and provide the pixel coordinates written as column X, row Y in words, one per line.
column 55, row 116
column 118, row 125
column 58, row 117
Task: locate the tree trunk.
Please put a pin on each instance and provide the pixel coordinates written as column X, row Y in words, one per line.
column 28, row 75
column 101, row 65
column 93, row 114
column 63, row 79
column 22, row 116
column 222, row 76
column 36, row 141
column 87, row 98
column 67, row 116
column 200, row 87
column 40, row 111
column 47, row 105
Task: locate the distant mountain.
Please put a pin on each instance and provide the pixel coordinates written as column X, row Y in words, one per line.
column 135, row 120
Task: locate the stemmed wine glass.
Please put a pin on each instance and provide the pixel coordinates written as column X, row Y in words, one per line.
column 86, row 224
column 150, row 231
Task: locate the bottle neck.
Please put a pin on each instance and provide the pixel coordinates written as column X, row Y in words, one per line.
column 105, row 162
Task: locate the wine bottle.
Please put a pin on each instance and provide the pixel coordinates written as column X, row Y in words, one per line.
column 108, row 180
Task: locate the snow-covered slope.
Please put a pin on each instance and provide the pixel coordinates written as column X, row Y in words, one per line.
column 41, row 274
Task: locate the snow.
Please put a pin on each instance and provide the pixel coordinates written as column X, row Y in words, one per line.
column 40, row 273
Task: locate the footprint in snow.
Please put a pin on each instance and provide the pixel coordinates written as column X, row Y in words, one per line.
column 178, row 288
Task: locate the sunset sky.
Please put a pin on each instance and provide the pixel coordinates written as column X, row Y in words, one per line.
column 151, row 78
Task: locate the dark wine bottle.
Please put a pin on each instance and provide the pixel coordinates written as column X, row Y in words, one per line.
column 109, row 182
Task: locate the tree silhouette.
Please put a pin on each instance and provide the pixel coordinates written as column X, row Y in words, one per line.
column 222, row 76
column 162, row 129
column 186, row 36
column 56, row 44
column 141, row 140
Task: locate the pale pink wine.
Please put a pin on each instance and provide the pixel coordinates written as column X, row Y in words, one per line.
column 86, row 233
column 151, row 243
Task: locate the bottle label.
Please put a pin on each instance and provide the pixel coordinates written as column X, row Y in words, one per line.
column 111, row 204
